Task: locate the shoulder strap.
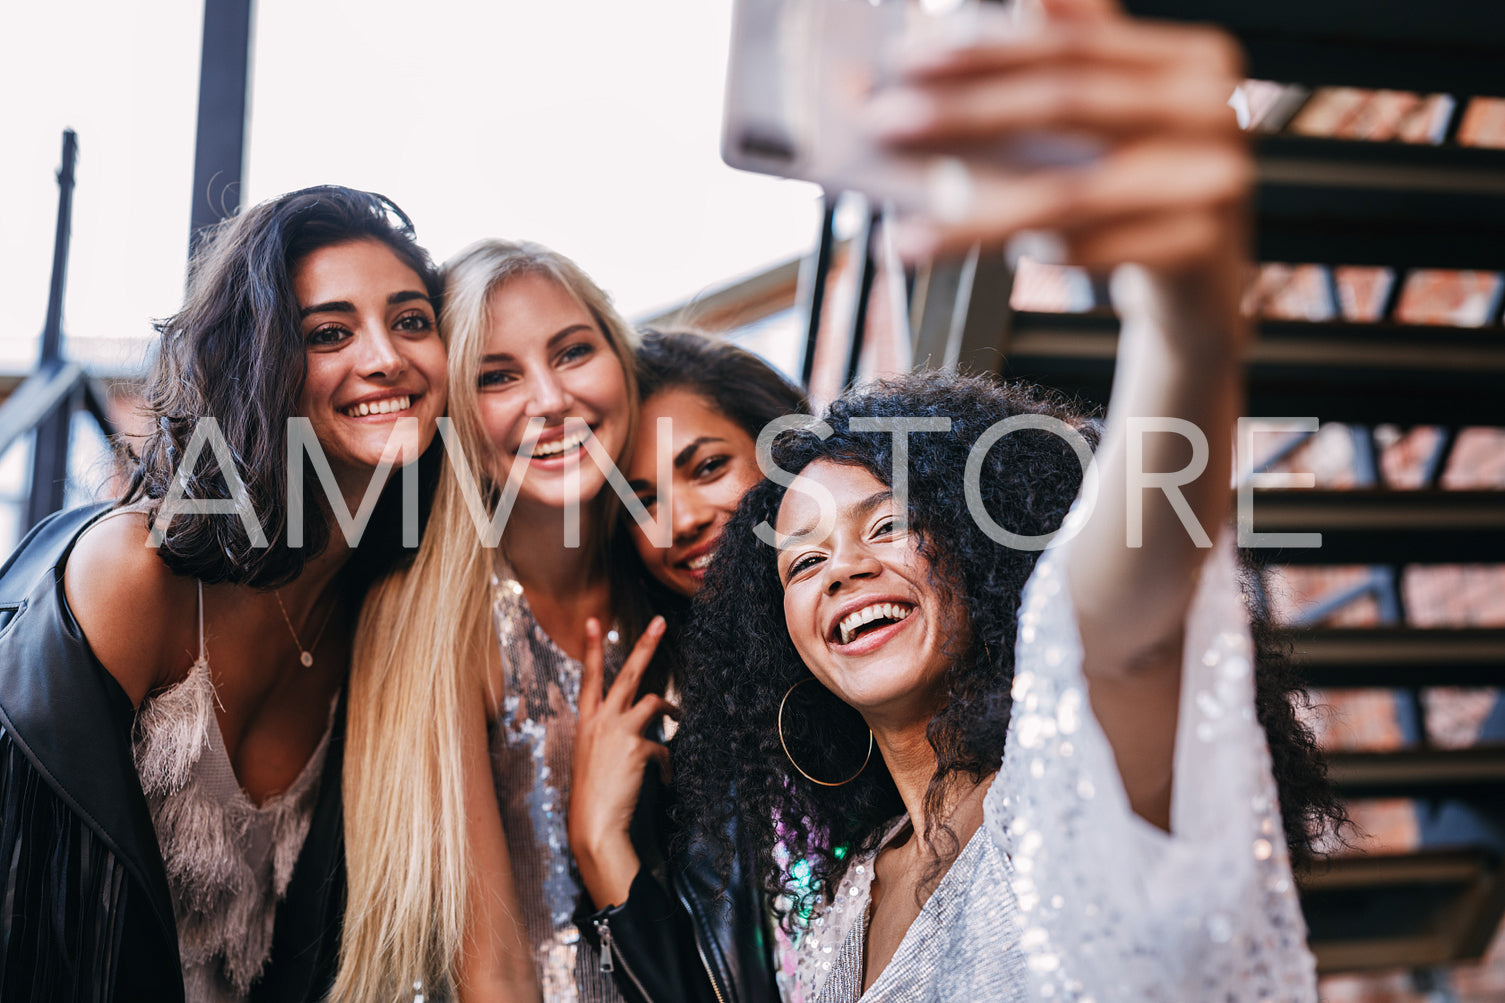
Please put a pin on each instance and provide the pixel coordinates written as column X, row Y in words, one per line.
column 202, row 655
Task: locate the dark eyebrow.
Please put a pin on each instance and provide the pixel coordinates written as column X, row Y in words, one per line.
column 345, row 306
column 334, row 306
column 554, row 339
column 688, row 453
column 861, row 510
column 681, row 458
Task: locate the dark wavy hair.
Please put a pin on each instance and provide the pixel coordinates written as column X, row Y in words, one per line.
column 731, row 379
column 235, row 352
column 746, row 662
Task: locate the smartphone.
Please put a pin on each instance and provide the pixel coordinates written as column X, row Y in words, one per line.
column 796, row 77
column 800, row 71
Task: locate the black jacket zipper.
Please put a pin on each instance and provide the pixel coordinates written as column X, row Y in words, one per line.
column 610, row 956
column 701, row 936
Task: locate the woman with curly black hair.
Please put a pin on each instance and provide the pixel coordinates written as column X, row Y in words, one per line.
column 1013, row 772
column 811, row 762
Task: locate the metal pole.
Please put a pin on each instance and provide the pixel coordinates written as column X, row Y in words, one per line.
column 219, row 148
column 52, row 328
column 867, row 270
column 818, row 269
column 49, row 455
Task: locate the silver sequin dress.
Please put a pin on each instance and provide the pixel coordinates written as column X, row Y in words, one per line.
column 1064, row 894
column 531, row 749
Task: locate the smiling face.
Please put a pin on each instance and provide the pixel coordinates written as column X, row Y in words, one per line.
column 715, row 463
column 860, row 603
column 373, row 356
column 546, row 357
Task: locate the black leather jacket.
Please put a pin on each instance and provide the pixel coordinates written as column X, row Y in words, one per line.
column 88, row 915
column 679, row 937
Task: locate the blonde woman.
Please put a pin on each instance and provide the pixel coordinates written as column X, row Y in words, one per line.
column 447, row 891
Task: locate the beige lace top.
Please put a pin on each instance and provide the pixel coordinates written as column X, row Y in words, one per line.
column 228, row 860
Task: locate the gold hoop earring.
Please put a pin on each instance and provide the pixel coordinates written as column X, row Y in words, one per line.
column 823, row 783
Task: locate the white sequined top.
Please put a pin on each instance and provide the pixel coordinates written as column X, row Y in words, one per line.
column 228, row 860
column 532, row 747
column 1064, row 894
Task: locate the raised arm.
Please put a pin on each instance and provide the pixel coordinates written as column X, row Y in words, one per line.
column 1179, row 357
column 1164, row 203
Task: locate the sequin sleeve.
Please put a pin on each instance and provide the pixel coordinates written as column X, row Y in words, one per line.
column 1112, row 908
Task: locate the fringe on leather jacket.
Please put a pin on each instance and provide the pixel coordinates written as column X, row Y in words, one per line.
column 87, row 915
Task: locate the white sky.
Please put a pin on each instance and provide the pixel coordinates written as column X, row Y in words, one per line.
column 589, row 125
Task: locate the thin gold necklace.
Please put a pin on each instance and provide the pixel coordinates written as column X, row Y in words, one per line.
column 305, row 655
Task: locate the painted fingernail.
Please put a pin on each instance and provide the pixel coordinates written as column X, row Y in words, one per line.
column 954, row 25
column 899, row 113
column 657, row 624
column 949, row 190
column 1040, row 246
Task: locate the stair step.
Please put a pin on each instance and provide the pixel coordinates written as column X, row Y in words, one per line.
column 1365, row 373
column 1412, row 910
column 1365, row 526
column 1337, row 201
column 1455, row 47
column 1472, row 774
column 1398, row 657
column 1380, row 870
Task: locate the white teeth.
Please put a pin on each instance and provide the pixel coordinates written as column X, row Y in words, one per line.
column 567, row 444
column 387, row 406
column 699, row 562
column 876, row 611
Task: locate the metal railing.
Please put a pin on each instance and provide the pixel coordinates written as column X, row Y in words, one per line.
column 44, row 404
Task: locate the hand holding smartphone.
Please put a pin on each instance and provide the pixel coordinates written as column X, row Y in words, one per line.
column 989, row 120
column 801, row 81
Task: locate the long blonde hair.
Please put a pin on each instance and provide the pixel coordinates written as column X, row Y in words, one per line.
column 419, row 649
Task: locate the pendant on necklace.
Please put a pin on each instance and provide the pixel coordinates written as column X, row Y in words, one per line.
column 307, row 659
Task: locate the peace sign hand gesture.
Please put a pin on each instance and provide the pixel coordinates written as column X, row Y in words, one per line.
column 611, row 752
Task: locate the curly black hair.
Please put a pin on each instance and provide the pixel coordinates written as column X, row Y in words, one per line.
column 746, row 662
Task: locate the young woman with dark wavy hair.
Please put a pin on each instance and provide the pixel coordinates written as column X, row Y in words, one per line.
column 1019, row 773
column 678, row 936
column 171, row 726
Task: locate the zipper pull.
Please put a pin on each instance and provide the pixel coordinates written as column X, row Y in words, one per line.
column 603, row 930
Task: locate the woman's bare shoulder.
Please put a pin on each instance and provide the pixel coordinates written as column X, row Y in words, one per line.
column 137, row 616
